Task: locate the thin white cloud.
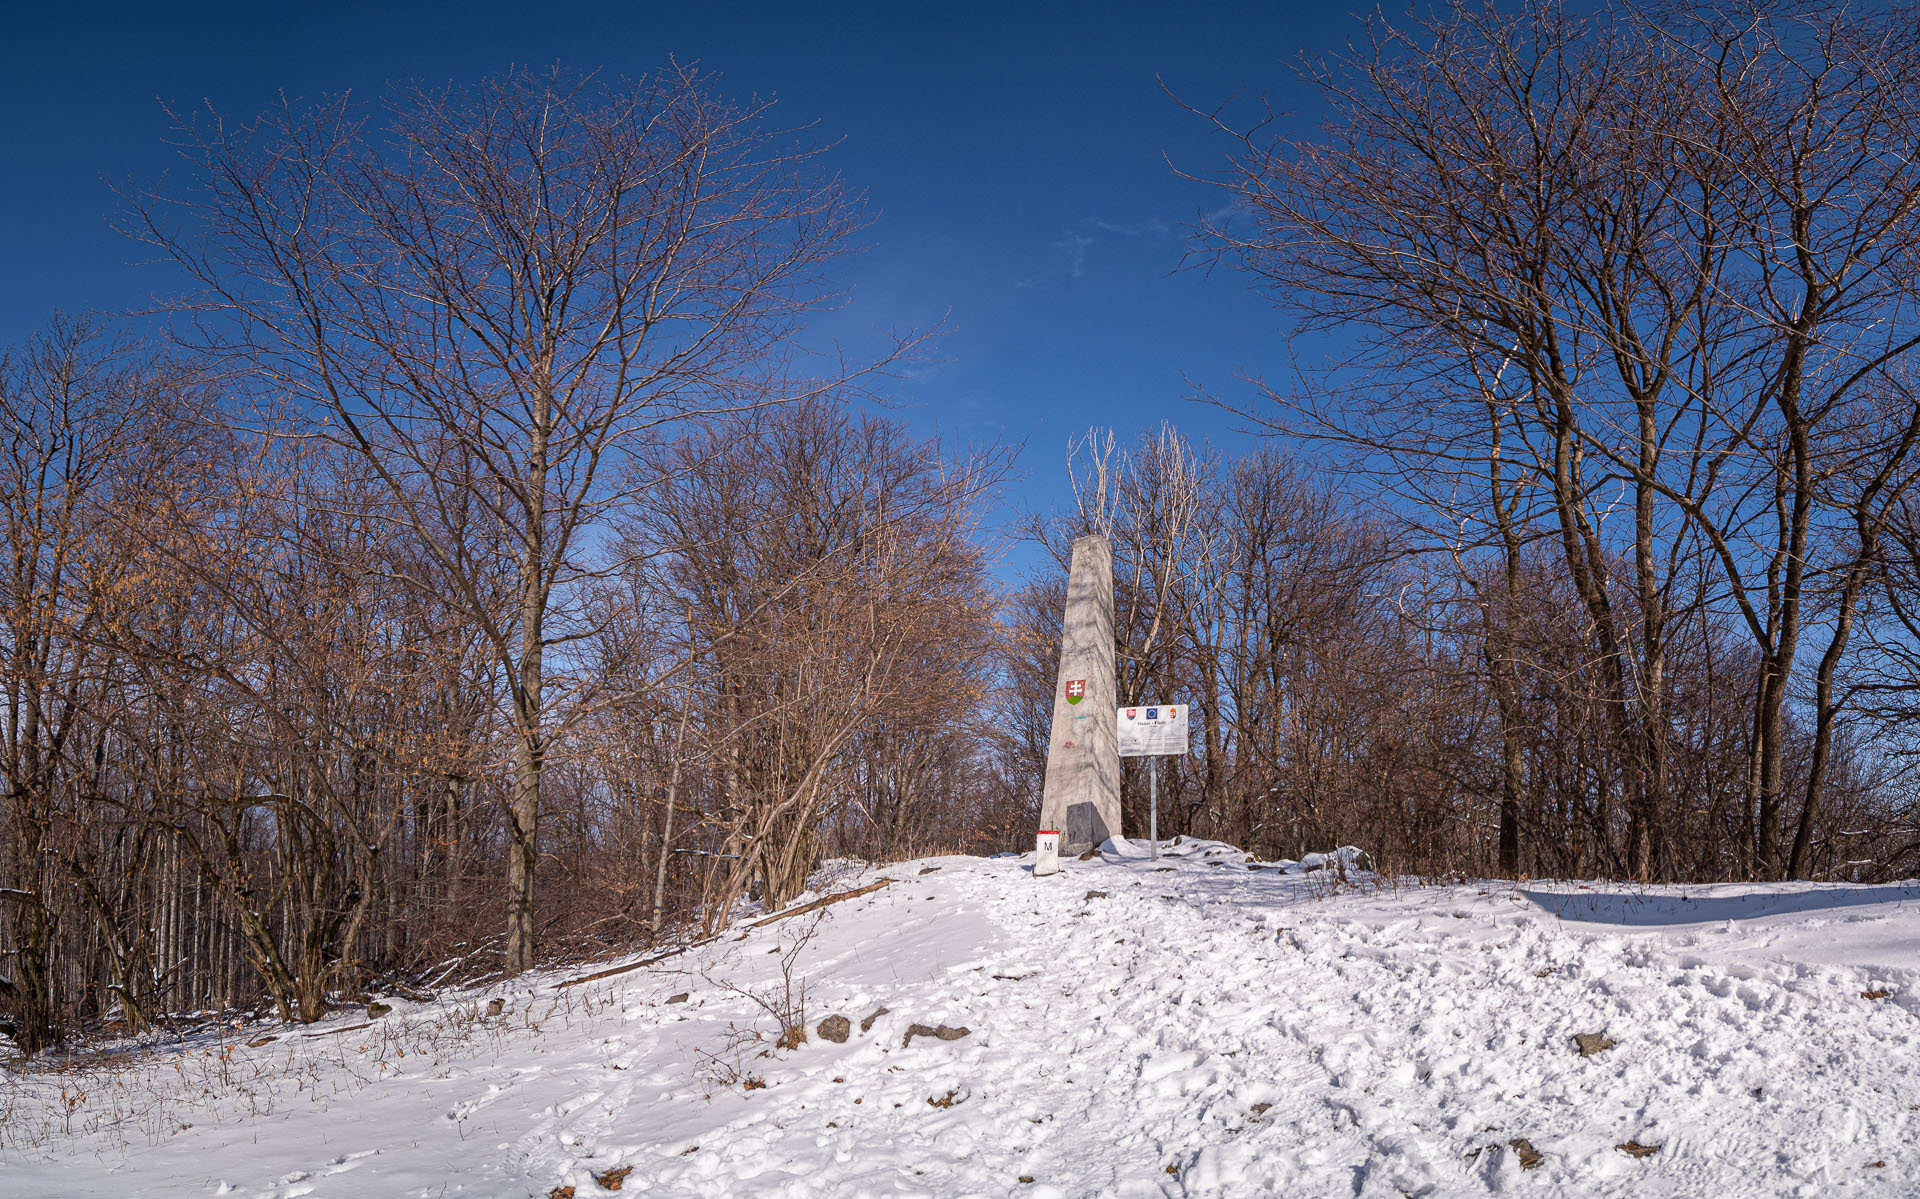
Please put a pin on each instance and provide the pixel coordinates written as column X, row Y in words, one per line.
column 1222, row 214
column 1151, row 227
column 1075, row 245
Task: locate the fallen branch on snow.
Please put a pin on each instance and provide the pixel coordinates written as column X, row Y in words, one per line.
column 661, row 957
column 820, row 903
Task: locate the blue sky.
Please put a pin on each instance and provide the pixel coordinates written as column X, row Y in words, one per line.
column 1015, row 159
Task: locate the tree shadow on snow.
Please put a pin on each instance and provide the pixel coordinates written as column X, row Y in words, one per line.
column 1629, row 908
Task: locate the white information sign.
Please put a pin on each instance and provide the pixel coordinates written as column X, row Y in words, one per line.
column 1152, row 730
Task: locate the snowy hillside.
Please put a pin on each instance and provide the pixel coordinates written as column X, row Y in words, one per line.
column 1133, row 1028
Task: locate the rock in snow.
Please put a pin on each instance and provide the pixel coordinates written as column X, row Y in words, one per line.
column 1590, row 1043
column 836, row 1029
column 939, row 1031
column 1204, row 1030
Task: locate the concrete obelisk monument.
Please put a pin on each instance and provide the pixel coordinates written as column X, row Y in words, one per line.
column 1082, row 794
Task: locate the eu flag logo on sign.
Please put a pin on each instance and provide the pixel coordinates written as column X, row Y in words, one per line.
column 1153, row 713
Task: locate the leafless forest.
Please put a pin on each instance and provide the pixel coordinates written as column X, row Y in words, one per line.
column 480, row 573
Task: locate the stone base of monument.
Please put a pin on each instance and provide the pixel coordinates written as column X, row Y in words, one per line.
column 1085, row 828
column 1046, row 853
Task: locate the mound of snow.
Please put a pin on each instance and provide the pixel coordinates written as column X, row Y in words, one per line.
column 1349, row 859
column 1128, row 1027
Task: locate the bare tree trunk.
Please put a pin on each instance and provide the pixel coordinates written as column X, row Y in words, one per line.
column 1824, row 712
column 673, row 791
column 1500, row 671
column 522, row 850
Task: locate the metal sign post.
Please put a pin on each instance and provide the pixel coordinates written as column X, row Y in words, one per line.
column 1153, row 805
column 1152, row 731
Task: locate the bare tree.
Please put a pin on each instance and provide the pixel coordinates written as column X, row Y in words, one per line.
column 1691, row 236
column 830, row 567
column 85, row 423
column 280, row 666
column 494, row 299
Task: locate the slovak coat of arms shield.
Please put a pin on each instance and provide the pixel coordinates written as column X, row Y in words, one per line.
column 1076, row 690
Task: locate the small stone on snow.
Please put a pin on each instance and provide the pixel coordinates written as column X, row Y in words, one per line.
column 1590, row 1043
column 943, row 1032
column 835, row 1029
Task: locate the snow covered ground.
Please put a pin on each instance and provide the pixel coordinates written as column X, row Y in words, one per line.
column 1136, row 1028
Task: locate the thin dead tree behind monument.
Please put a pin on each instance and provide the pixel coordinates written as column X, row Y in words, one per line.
column 492, row 295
